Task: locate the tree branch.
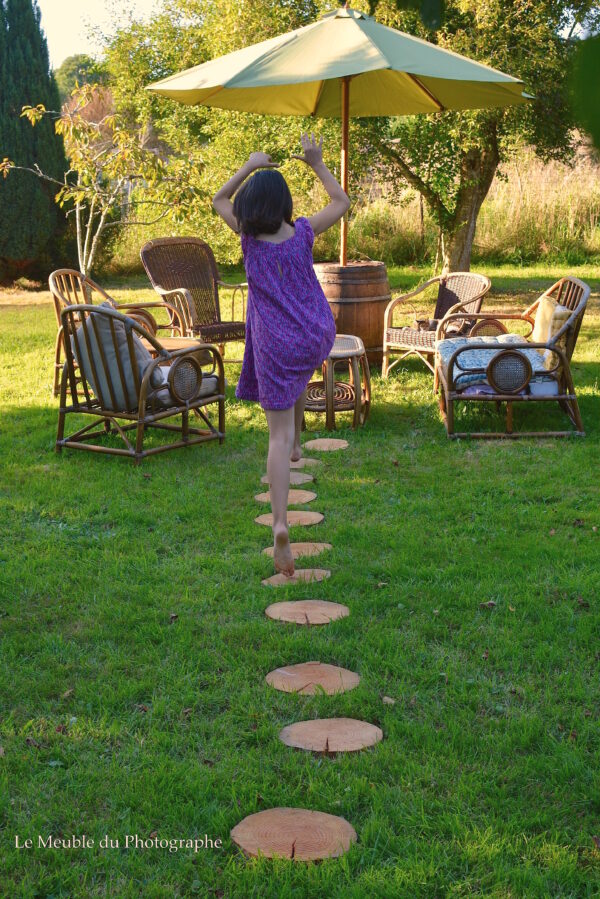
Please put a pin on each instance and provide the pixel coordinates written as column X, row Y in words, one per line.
column 416, row 181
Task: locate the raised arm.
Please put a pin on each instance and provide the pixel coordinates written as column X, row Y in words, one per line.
column 222, row 199
column 339, row 201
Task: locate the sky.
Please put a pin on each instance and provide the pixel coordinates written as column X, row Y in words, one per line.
column 68, row 23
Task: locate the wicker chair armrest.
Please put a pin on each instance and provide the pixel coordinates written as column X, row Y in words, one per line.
column 212, row 351
column 182, row 302
column 388, row 317
column 174, row 323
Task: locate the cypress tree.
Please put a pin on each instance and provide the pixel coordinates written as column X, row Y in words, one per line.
column 28, row 216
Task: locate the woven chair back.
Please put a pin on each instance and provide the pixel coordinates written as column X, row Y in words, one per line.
column 573, row 294
column 106, row 360
column 175, row 263
column 72, row 288
column 460, row 287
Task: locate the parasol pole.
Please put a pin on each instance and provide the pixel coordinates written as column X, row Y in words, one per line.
column 344, row 165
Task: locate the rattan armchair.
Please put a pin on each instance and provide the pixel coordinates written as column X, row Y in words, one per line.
column 457, row 292
column 491, row 364
column 183, row 270
column 71, row 288
column 110, row 375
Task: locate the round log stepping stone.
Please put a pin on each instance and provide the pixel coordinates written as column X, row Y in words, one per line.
column 310, row 677
column 326, row 444
column 300, row 576
column 305, row 462
column 294, row 517
column 307, row 611
column 296, row 477
column 294, row 833
column 302, row 549
column 295, row 497
column 331, row 735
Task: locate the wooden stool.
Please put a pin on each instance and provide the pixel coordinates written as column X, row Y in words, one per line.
column 331, row 396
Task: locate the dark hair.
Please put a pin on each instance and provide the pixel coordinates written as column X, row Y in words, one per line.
column 263, row 203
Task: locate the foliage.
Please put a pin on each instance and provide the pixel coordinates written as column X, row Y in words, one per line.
column 452, row 157
column 111, row 173
column 134, row 651
column 76, row 70
column 430, row 11
column 28, row 217
column 586, row 87
column 215, row 141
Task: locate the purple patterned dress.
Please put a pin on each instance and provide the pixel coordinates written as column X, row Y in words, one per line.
column 289, row 326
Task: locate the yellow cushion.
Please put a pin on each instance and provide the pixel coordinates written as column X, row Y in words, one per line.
column 559, row 317
column 543, row 320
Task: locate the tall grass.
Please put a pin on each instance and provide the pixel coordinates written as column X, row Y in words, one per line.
column 534, row 212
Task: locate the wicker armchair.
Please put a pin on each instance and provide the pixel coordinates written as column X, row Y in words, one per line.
column 109, row 374
column 184, row 272
column 71, row 288
column 457, row 292
column 492, row 365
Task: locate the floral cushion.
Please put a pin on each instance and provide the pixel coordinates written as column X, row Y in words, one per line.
column 480, row 359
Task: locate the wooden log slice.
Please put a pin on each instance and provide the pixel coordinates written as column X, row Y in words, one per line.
column 310, row 677
column 294, row 517
column 307, row 611
column 296, row 477
column 330, row 735
column 305, row 462
column 302, row 549
column 326, row 444
column 295, row 497
column 294, row 833
column 300, row 576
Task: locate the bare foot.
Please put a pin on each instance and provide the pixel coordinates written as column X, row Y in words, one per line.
column 282, row 552
column 296, row 452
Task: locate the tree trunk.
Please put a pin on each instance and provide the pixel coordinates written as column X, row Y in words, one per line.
column 478, row 167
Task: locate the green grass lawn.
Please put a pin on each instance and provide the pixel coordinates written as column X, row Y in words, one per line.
column 134, row 647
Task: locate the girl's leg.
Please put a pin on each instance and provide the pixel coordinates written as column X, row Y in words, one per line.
column 281, row 441
column 298, row 416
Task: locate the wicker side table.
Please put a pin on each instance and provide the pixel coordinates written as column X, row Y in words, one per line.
column 331, row 396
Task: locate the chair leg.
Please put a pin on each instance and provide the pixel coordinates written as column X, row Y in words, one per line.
column 385, row 365
column 139, row 441
column 329, row 391
column 61, row 413
column 366, row 387
column 57, row 365
column 449, row 403
column 356, row 383
column 185, row 425
column 509, row 418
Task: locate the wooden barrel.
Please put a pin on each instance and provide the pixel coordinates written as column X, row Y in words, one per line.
column 357, row 294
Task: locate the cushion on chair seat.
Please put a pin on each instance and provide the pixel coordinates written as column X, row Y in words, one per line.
column 164, row 398
column 410, row 337
column 480, row 359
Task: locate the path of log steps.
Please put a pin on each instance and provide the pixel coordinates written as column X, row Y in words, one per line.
column 296, row 833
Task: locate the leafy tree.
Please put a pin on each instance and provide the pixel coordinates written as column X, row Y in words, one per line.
column 76, row 70
column 111, row 176
column 452, row 158
column 187, row 33
column 27, row 212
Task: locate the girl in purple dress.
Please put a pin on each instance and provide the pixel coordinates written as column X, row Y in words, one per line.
column 289, row 326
